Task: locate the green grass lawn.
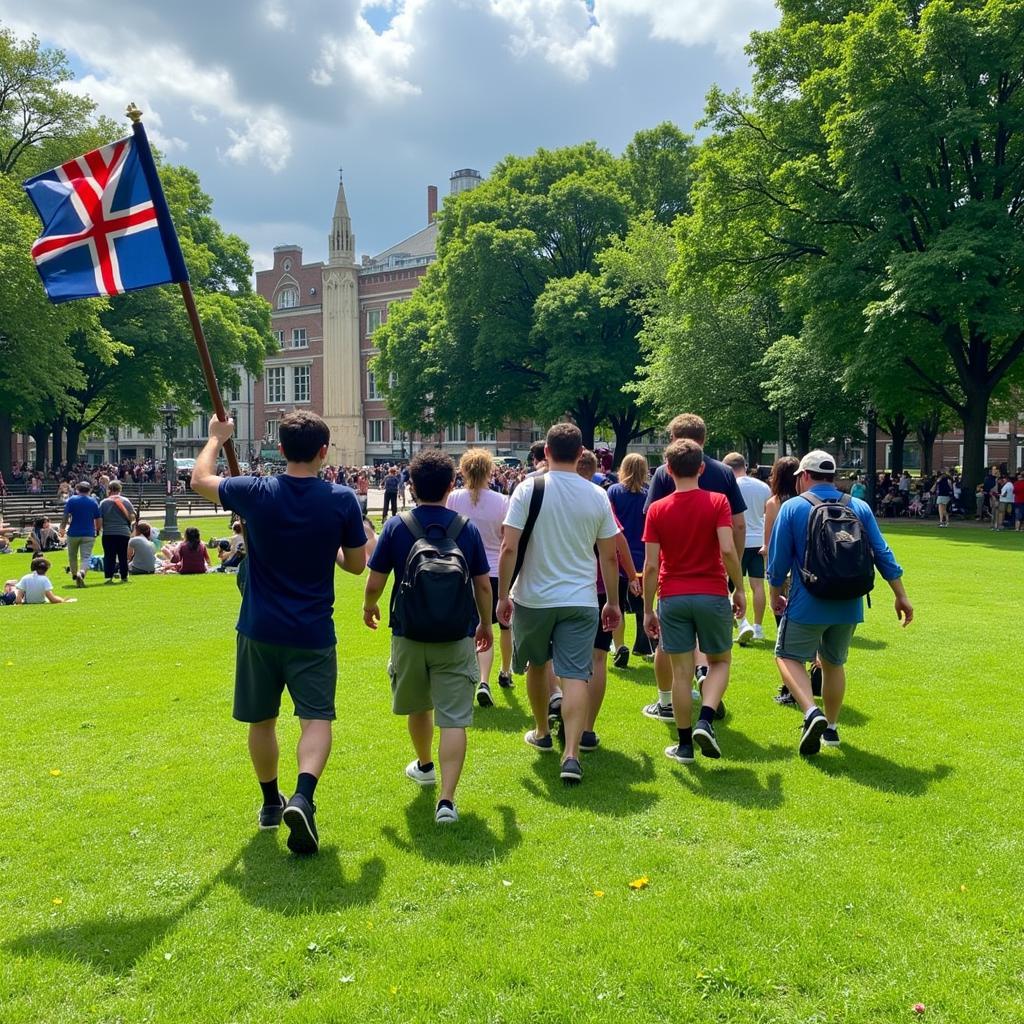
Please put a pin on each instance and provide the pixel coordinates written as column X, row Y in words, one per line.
column 845, row 888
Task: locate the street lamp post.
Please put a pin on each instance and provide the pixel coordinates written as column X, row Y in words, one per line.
column 170, row 530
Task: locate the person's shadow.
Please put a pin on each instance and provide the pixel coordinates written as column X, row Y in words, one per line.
column 470, row 840
column 739, row 786
column 265, row 875
column 612, row 783
column 507, row 715
column 877, row 772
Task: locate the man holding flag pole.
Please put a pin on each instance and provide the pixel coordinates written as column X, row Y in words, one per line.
column 107, row 230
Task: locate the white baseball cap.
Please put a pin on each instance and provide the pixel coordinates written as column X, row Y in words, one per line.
column 817, row 462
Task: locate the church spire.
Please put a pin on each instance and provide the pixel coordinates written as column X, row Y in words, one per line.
column 341, row 243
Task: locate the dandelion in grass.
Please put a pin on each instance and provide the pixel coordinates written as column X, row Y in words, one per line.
column 639, row 883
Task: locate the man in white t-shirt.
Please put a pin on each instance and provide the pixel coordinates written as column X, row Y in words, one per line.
column 755, row 493
column 553, row 606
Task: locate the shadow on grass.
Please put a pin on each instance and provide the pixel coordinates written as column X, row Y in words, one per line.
column 263, row 872
column 470, row 840
column 736, row 746
column 877, row 772
column 610, row 784
column 739, row 786
column 866, row 643
column 507, row 715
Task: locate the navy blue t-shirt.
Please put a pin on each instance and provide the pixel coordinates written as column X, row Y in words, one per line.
column 295, row 526
column 630, row 509
column 82, row 511
column 395, row 542
column 717, row 478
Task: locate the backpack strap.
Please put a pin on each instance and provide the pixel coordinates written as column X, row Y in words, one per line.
column 536, row 500
column 812, row 499
column 455, row 526
column 846, row 501
column 412, row 524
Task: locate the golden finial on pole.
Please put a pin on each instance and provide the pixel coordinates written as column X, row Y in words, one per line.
column 134, row 113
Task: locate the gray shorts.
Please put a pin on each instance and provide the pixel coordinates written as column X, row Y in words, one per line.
column 800, row 641
column 434, row 677
column 687, row 618
column 565, row 635
column 262, row 671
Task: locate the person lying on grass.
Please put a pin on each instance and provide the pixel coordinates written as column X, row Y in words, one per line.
column 37, row 588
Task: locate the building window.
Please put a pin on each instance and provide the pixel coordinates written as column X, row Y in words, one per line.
column 374, row 318
column 486, row 434
column 299, row 338
column 287, row 264
column 375, row 431
column 288, row 298
column 455, row 434
column 236, row 393
column 271, row 431
column 300, row 380
column 279, row 336
column 372, row 394
column 275, row 385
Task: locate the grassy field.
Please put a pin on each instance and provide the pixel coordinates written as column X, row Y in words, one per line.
column 845, row 888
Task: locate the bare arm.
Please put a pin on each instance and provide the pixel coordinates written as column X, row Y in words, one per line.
column 652, row 555
column 625, row 559
column 611, row 615
column 506, row 566
column 19, row 596
column 375, row 584
column 482, row 593
column 97, row 525
column 53, row 598
column 205, row 478
column 352, row 560
column 732, row 565
column 771, row 511
column 739, row 531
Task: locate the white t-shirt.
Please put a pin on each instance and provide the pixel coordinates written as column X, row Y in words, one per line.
column 36, row 587
column 1006, row 494
column 486, row 515
column 755, row 494
column 558, row 571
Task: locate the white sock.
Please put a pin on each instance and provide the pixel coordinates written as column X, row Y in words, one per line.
column 557, row 692
column 831, row 725
column 744, row 625
column 809, row 712
column 665, row 698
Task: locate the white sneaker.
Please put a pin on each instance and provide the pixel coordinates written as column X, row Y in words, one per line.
column 417, row 774
column 746, row 633
column 446, row 815
column 758, row 632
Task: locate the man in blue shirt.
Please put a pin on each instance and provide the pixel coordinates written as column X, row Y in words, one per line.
column 432, row 680
column 811, row 626
column 82, row 512
column 717, row 478
column 298, row 527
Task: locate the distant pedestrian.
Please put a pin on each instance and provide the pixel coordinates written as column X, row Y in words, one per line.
column 756, row 494
column 118, row 519
column 392, row 482
column 81, row 524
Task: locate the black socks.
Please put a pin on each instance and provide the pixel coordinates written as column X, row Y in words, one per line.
column 445, row 803
column 306, row 785
column 424, row 767
column 685, row 736
column 271, row 793
column 707, row 714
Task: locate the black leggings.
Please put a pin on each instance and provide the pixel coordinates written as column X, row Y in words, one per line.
column 115, row 552
column 390, row 500
column 630, row 603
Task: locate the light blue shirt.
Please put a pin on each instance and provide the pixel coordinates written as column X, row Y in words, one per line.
column 786, row 555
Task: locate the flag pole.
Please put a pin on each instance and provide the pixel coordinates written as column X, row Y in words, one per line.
column 167, row 229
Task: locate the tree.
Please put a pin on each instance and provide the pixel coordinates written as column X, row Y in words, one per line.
column 877, row 173
column 659, row 171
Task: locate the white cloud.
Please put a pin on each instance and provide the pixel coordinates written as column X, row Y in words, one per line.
column 264, row 137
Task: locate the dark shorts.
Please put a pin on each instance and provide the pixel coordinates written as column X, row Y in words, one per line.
column 602, row 639
column 494, row 604
column 799, row 641
column 1018, row 511
column 629, row 603
column 753, row 563
column 688, row 618
column 262, row 671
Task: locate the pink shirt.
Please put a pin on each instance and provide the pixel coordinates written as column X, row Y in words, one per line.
column 486, row 515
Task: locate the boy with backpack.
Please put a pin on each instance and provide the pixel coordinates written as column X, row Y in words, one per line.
column 831, row 543
column 440, row 618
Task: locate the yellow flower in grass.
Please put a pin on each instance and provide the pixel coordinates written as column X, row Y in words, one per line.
column 55, row 772
column 640, row 883
column 599, row 893
column 57, row 901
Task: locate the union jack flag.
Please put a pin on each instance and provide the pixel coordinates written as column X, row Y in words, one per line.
column 106, row 226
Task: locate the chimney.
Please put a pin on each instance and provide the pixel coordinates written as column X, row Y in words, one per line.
column 431, row 203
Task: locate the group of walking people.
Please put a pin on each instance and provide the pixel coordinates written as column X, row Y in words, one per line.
column 554, row 566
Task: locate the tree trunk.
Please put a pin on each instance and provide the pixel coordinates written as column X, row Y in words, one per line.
column 74, row 436
column 898, row 428
column 41, row 436
column 803, row 435
column 585, row 417
column 972, row 472
column 6, row 436
column 626, row 428
column 927, row 430
column 58, row 442
column 755, row 450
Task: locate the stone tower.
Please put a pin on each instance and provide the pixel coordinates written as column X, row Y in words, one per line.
column 340, row 296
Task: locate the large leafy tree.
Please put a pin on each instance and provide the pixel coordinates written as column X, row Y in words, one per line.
column 877, row 174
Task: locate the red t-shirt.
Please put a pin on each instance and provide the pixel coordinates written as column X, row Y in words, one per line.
column 191, row 561
column 686, row 524
column 1018, row 491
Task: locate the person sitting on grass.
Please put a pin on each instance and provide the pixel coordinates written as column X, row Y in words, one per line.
column 433, row 679
column 190, row 556
column 690, row 546
column 37, row 588
column 142, row 551
column 43, row 537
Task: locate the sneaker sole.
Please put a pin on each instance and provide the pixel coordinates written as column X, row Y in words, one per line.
column 589, row 750
column 300, row 836
column 659, row 718
column 484, row 699
column 670, row 753
column 708, row 746
column 745, row 637
column 571, row 778
column 534, row 746
column 810, row 742
column 422, row 782
column 831, row 743
column 448, row 819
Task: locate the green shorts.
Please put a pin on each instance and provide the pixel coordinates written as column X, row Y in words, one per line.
column 564, row 635
column 799, row 641
column 434, row 677
column 262, row 671
column 687, row 618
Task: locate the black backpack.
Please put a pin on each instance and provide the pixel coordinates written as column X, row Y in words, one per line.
column 435, row 603
column 838, row 562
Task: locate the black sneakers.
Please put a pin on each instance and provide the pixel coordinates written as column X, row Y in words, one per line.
column 680, row 752
column 589, row 740
column 621, row 658
column 545, row 743
column 704, row 737
column 659, row 712
column 505, row 680
column 555, row 707
column 814, row 725
column 830, row 737
column 299, row 816
column 784, row 697
column 572, row 772
column 270, row 814
column 483, row 695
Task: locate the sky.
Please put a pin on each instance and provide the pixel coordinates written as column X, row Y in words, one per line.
column 267, row 99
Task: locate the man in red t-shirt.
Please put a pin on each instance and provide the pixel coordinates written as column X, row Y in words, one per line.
column 688, row 537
